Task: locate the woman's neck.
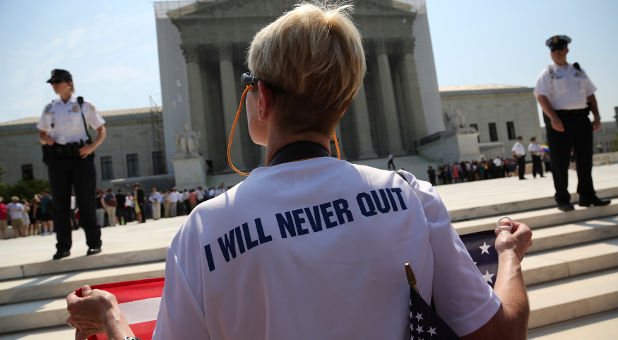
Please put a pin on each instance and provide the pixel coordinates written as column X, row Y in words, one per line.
column 282, row 140
column 65, row 97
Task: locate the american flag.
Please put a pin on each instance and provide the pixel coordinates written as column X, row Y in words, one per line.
column 139, row 302
column 480, row 245
column 424, row 321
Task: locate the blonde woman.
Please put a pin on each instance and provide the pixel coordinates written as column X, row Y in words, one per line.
column 318, row 259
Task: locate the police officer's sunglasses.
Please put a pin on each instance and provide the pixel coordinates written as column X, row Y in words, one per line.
column 246, row 79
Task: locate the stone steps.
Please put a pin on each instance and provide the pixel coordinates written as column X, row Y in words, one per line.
column 570, row 261
column 48, row 305
column 540, row 218
column 574, row 233
column 58, row 285
column 573, row 297
column 49, row 333
column 600, row 326
column 505, row 205
column 571, row 270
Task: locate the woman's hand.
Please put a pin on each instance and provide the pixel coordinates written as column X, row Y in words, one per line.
column 86, row 150
column 96, row 312
column 518, row 239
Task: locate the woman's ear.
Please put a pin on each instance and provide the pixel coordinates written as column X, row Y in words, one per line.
column 265, row 102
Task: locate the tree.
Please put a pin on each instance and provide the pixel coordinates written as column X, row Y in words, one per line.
column 27, row 189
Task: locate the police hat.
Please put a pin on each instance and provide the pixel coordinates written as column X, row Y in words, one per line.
column 59, row 74
column 558, row 42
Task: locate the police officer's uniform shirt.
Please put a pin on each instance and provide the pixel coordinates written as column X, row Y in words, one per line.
column 63, row 121
column 322, row 253
column 534, row 148
column 518, row 148
column 566, row 87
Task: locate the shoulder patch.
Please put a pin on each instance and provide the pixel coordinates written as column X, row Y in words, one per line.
column 47, row 108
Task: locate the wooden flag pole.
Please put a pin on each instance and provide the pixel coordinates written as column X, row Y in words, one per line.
column 411, row 277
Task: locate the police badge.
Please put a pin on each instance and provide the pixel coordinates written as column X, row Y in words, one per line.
column 75, row 108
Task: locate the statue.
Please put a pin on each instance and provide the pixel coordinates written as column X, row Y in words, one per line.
column 187, row 144
column 454, row 119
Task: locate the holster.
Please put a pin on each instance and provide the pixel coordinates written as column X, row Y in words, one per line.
column 66, row 151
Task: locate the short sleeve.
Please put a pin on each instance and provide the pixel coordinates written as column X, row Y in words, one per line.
column 543, row 84
column 461, row 295
column 181, row 312
column 93, row 118
column 589, row 87
column 44, row 123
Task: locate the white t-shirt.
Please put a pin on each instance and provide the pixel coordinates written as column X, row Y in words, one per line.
column 321, row 257
column 63, row 121
column 565, row 87
column 15, row 210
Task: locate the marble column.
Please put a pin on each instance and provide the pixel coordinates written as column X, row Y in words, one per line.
column 361, row 122
column 196, row 95
column 229, row 99
column 412, row 90
column 389, row 109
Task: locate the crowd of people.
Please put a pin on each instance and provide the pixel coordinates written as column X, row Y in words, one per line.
column 27, row 218
column 35, row 216
column 139, row 206
column 468, row 171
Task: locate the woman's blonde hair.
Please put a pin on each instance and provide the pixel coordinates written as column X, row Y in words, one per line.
column 313, row 53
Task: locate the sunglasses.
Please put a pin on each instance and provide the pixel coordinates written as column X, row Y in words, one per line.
column 554, row 49
column 246, row 79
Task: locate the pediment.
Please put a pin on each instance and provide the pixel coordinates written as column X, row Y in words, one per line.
column 238, row 9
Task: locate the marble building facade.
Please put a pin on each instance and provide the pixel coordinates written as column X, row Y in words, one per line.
column 499, row 113
column 133, row 147
column 209, row 39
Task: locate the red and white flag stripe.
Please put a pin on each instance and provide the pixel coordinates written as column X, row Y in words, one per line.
column 139, row 301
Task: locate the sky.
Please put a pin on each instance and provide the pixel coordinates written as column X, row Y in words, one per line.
column 110, row 47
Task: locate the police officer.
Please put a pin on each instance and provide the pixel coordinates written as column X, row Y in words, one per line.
column 68, row 152
column 520, row 154
column 566, row 96
column 535, row 151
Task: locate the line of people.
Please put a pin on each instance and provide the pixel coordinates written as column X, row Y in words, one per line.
column 27, row 218
column 35, row 217
column 468, row 171
column 138, row 206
